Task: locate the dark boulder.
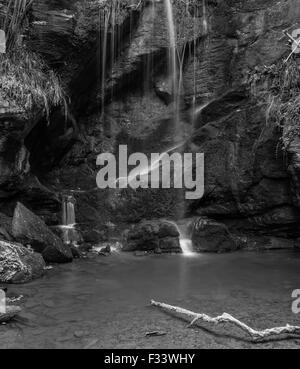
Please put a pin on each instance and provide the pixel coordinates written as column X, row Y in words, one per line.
column 167, row 229
column 211, row 236
column 28, row 228
column 43, row 202
column 75, row 252
column 145, row 230
column 18, row 264
column 154, row 235
column 141, row 245
column 169, row 244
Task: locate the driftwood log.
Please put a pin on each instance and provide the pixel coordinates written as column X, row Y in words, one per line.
column 11, row 313
column 255, row 335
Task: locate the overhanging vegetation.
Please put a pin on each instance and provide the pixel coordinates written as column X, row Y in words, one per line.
column 279, row 86
column 26, row 82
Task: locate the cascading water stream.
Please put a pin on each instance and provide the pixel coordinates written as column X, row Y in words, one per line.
column 105, row 16
column 68, row 211
column 176, row 58
column 173, row 49
column 187, row 247
column 186, row 243
column 175, row 69
column 69, row 220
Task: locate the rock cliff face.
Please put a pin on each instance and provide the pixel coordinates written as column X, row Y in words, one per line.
column 251, row 185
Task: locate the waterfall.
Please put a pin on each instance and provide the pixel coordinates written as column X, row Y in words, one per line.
column 175, row 70
column 69, row 220
column 186, row 243
column 69, row 211
column 187, row 246
column 175, row 65
column 104, row 19
column 173, row 49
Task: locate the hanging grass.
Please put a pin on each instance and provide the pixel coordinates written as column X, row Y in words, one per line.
column 28, row 83
column 279, row 87
column 12, row 17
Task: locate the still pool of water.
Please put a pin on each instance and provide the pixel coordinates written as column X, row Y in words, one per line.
column 104, row 302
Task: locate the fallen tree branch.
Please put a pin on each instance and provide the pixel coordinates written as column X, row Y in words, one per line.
column 255, row 335
column 11, row 313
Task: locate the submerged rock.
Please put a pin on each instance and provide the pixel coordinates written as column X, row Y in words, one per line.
column 211, row 236
column 155, row 235
column 19, row 265
column 30, row 229
column 167, row 229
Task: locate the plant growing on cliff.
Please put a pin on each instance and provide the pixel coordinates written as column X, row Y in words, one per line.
column 93, row 12
column 28, row 83
column 12, row 18
column 278, row 86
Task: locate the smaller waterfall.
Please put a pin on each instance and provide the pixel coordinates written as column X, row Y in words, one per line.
column 68, row 211
column 70, row 234
column 187, row 246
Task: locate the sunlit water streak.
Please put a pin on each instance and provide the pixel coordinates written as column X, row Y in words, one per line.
column 173, row 49
column 143, row 173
